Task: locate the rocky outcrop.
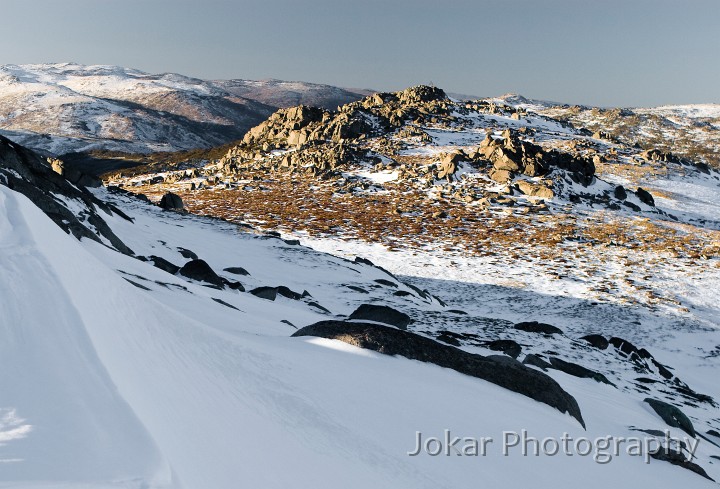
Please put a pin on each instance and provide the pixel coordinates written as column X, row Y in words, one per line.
column 499, row 370
column 26, row 172
column 318, row 141
column 511, row 154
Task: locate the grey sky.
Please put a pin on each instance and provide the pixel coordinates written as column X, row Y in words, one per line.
column 604, row 52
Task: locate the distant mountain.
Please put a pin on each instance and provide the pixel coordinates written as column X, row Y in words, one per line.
column 279, row 93
column 62, row 108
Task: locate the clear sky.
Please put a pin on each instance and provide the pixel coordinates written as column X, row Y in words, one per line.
column 602, row 52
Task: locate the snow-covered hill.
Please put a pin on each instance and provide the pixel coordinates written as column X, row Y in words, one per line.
column 128, row 363
column 691, row 131
column 61, row 108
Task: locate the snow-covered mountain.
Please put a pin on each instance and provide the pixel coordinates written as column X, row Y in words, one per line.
column 62, row 108
column 152, row 348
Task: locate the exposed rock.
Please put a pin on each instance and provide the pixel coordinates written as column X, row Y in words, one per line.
column 597, row 341
column 503, row 371
column 171, row 202
column 237, row 270
column 27, row 173
column 449, row 338
column 165, row 265
column 535, row 327
column 672, row 416
column 382, row 314
column 233, row 285
column 508, row 347
column 578, row 370
column 500, row 176
column 645, row 197
column 201, row 271
column 387, row 283
column 189, row 254
column 269, row 293
column 536, row 361
column 534, row 189
column 676, row 457
column 290, row 294
column 620, row 192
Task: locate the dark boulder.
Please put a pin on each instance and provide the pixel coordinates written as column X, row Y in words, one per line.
column 535, row 327
column 672, row 415
column 645, row 197
column 171, row 202
column 502, row 371
column 596, row 341
column 382, row 314
column 201, row 271
column 620, row 192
